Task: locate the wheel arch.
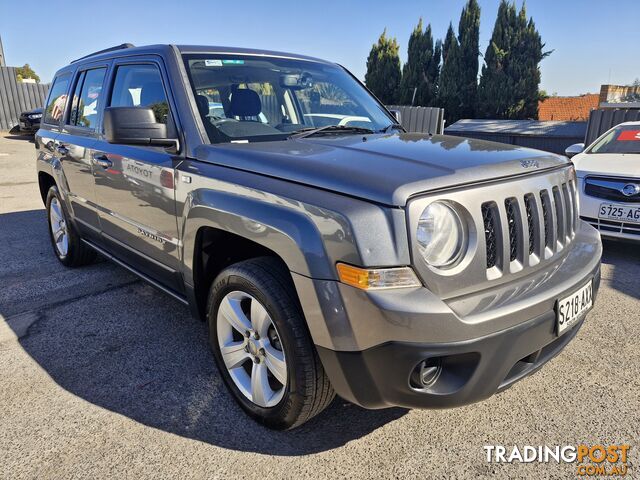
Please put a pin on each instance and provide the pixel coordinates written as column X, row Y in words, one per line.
column 45, row 182
column 220, row 229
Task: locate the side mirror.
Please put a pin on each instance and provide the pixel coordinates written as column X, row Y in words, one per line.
column 396, row 114
column 136, row 126
column 573, row 150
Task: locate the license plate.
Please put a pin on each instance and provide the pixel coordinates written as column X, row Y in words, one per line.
column 571, row 308
column 619, row 212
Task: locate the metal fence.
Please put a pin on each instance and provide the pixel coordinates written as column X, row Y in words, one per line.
column 17, row 97
column 421, row 119
column 602, row 120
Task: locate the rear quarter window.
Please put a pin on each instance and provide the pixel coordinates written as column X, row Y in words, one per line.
column 57, row 101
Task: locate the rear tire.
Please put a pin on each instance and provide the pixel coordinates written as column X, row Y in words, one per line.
column 66, row 243
column 296, row 391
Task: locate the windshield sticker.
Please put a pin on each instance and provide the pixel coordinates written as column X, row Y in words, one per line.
column 629, row 135
column 213, row 63
column 233, row 62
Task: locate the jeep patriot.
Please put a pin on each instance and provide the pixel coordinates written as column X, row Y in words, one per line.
column 328, row 250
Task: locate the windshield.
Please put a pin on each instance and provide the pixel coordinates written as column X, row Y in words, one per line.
column 623, row 139
column 248, row 98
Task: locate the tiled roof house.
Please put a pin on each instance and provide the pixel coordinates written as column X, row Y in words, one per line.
column 568, row 108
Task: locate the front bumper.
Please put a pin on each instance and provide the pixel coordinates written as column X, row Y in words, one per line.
column 370, row 343
column 28, row 125
column 589, row 210
column 474, row 370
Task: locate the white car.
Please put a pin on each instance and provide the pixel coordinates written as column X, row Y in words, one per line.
column 609, row 181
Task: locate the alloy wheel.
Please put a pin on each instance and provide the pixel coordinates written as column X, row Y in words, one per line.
column 251, row 349
column 58, row 227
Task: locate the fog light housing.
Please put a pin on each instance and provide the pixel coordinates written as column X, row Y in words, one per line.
column 427, row 373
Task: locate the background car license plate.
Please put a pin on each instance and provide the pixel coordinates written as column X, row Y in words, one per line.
column 619, row 212
column 571, row 308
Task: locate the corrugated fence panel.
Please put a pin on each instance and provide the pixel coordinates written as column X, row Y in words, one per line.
column 17, row 97
column 602, row 120
column 421, row 119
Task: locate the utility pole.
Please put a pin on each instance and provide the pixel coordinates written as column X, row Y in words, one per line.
column 2, row 62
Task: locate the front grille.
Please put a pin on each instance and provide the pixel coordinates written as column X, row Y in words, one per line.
column 547, row 223
column 516, row 225
column 613, row 226
column 490, row 227
column 611, row 188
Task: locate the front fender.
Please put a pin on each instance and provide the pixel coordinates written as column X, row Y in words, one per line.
column 286, row 229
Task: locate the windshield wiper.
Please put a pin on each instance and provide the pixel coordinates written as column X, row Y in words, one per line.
column 393, row 126
column 307, row 132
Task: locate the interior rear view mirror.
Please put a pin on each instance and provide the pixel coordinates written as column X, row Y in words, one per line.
column 296, row 81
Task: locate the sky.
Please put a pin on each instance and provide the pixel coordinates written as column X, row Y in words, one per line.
column 593, row 41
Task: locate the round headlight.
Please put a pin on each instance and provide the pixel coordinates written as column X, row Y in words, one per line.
column 441, row 235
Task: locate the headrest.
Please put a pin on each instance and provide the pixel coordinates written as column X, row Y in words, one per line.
column 203, row 105
column 152, row 93
column 245, row 103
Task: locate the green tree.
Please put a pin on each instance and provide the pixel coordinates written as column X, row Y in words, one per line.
column 26, row 72
column 420, row 73
column 510, row 81
column 383, row 69
column 448, row 89
column 469, row 39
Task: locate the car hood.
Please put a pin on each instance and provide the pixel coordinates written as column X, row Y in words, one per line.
column 613, row 164
column 386, row 169
column 31, row 112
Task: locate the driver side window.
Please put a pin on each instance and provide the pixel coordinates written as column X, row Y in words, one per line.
column 141, row 86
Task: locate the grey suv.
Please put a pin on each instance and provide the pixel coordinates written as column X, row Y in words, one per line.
column 328, row 250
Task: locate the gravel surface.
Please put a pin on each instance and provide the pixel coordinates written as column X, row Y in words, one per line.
column 103, row 376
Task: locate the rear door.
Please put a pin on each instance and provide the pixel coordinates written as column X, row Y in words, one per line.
column 51, row 121
column 135, row 184
column 76, row 141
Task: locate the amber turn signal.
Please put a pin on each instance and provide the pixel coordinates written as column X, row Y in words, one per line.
column 377, row 278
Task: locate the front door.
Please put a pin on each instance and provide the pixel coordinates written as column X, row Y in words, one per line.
column 135, row 184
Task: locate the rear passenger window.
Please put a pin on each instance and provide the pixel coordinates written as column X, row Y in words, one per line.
column 140, row 86
column 57, row 100
column 86, row 97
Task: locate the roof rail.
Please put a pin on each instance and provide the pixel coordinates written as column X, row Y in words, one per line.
column 111, row 49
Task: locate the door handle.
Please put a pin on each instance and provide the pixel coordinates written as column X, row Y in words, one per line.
column 102, row 160
column 62, row 150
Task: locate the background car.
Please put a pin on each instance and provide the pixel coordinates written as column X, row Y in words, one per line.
column 609, row 181
column 30, row 121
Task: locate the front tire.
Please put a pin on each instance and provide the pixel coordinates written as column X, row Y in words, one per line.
column 65, row 240
column 262, row 345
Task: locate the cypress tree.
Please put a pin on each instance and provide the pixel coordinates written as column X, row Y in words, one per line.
column 448, row 93
column 496, row 91
column 413, row 80
column 530, row 54
column 420, row 73
column 383, row 69
column 469, row 39
column 510, row 81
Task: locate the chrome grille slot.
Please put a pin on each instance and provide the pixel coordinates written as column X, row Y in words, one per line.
column 573, row 193
column 568, row 202
column 513, row 225
column 560, row 216
column 489, row 217
column 547, row 217
column 532, row 222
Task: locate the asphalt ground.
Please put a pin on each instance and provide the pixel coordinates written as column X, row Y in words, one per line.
column 102, row 376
